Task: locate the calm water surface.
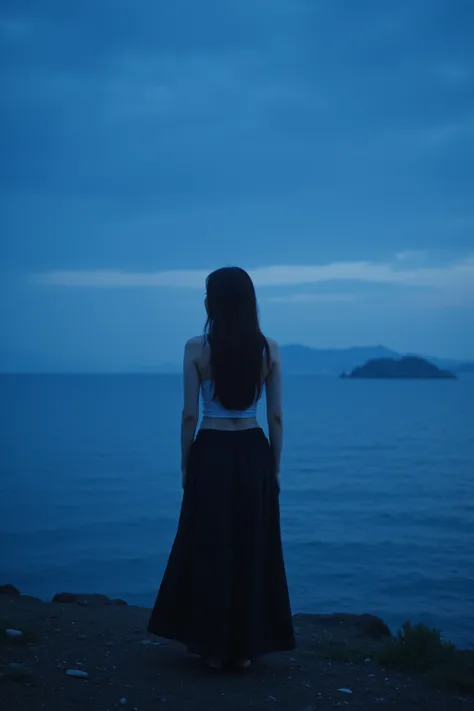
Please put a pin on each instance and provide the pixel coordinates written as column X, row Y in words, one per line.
column 377, row 500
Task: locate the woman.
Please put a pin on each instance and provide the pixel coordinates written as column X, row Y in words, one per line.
column 224, row 593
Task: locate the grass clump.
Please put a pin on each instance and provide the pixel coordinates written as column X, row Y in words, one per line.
column 418, row 648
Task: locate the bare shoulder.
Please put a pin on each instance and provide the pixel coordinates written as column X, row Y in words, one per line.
column 194, row 346
column 274, row 350
column 195, row 341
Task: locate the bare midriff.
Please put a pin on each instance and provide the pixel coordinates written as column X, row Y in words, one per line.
column 229, row 424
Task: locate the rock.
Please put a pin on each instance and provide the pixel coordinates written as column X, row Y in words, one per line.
column 65, row 597
column 84, row 599
column 78, row 673
column 13, row 633
column 16, row 672
column 340, row 627
column 345, row 691
column 9, row 590
column 374, row 627
column 15, row 667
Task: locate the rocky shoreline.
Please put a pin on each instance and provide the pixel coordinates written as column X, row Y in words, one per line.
column 81, row 651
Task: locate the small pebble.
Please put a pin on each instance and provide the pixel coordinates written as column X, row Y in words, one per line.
column 146, row 642
column 13, row 633
column 123, row 701
column 368, row 660
column 345, row 691
column 78, row 673
column 15, row 666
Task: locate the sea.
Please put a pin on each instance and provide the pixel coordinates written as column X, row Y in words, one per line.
column 377, row 499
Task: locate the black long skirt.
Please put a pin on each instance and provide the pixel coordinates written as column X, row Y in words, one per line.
column 224, row 593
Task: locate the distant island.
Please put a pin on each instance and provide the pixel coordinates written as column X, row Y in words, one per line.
column 410, row 367
column 302, row 360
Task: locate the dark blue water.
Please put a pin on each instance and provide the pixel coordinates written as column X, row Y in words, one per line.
column 377, row 500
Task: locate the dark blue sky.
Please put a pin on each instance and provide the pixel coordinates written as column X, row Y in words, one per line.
column 325, row 145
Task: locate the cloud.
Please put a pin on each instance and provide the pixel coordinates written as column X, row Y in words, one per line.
column 442, row 134
column 458, row 274
column 308, row 298
column 411, row 255
column 103, row 278
column 198, row 91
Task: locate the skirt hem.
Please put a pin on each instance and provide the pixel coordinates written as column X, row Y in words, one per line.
column 200, row 651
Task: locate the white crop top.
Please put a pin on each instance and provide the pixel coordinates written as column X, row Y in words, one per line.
column 213, row 408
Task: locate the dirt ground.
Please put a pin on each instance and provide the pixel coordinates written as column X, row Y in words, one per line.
column 128, row 669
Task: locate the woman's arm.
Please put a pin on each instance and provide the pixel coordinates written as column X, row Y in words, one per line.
column 190, row 414
column 273, row 387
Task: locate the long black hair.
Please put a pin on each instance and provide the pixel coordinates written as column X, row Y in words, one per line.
column 233, row 333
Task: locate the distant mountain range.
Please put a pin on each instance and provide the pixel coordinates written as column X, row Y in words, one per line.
column 297, row 360
column 302, row 360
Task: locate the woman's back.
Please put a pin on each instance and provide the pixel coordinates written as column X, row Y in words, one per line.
column 199, row 376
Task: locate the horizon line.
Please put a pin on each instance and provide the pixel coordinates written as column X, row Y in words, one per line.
column 174, row 368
